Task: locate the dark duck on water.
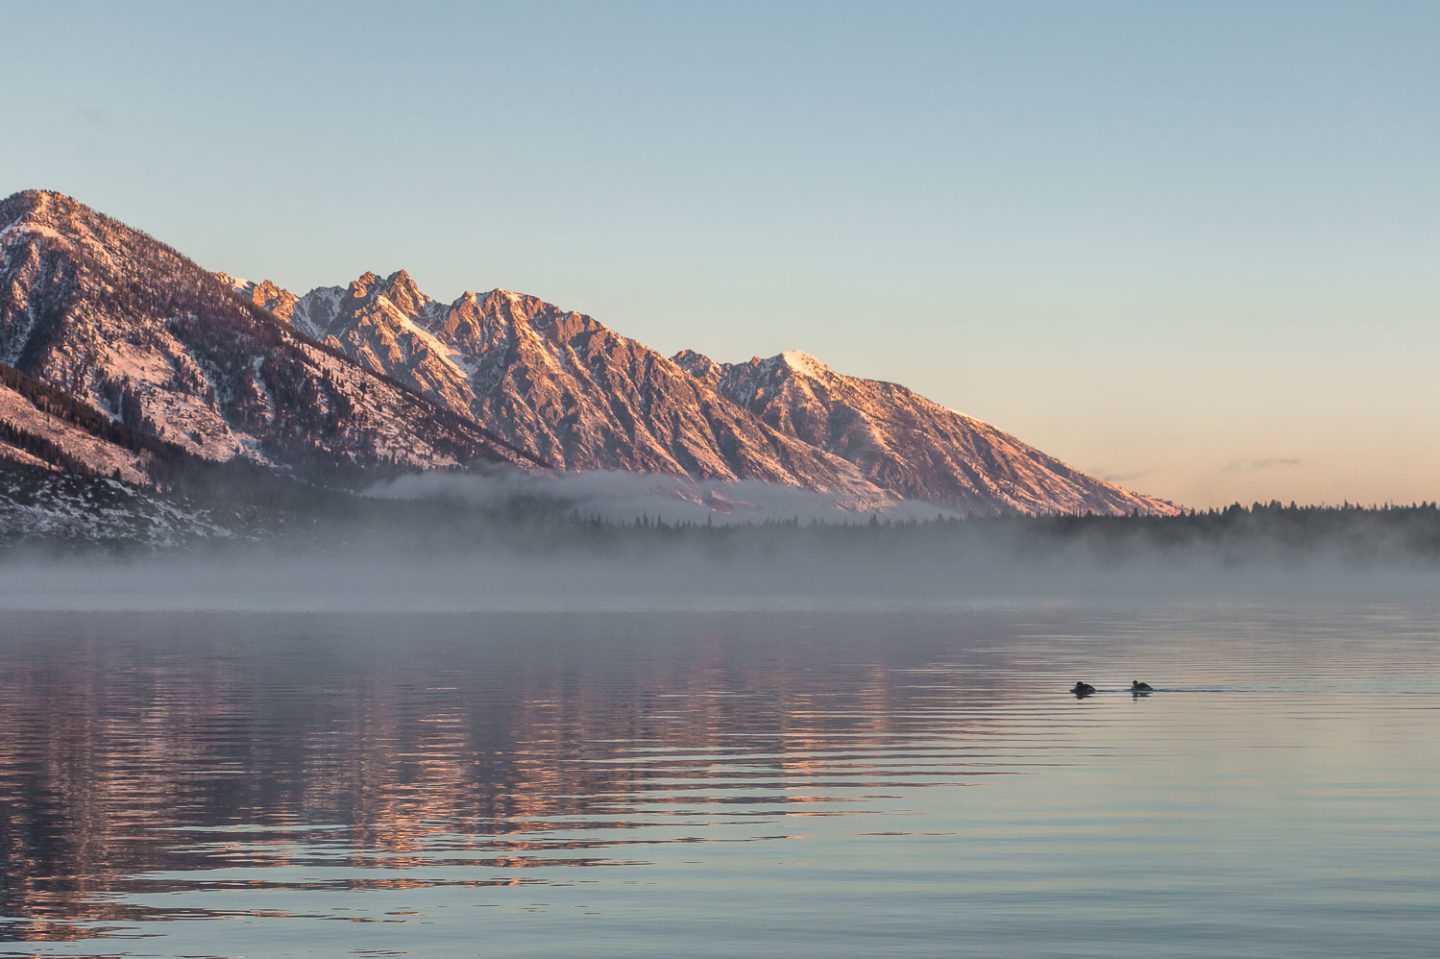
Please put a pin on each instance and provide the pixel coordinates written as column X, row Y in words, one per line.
column 1081, row 690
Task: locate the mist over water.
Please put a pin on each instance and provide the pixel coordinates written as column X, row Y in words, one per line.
column 532, row 740
column 451, row 549
column 649, row 573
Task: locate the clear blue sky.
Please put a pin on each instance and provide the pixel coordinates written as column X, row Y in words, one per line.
column 1192, row 246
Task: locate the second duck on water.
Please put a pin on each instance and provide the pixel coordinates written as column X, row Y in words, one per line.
column 1138, row 687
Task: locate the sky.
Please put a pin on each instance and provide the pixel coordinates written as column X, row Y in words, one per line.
column 1192, row 248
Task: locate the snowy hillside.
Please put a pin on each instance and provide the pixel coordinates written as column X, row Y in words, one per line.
column 557, row 384
column 43, row 506
column 905, row 443
column 571, row 391
column 148, row 359
column 132, row 328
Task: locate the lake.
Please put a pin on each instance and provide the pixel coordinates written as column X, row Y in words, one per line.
column 872, row 781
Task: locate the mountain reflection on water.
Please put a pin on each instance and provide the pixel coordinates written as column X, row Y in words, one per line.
column 476, row 746
column 282, row 771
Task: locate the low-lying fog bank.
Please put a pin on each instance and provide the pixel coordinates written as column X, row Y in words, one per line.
column 616, row 497
column 599, row 540
column 658, row 568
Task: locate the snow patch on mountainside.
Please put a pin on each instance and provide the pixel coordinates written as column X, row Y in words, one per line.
column 103, row 457
column 39, row 506
column 16, row 455
column 909, row 444
column 802, row 362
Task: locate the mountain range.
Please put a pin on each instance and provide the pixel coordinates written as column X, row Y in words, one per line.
column 147, row 356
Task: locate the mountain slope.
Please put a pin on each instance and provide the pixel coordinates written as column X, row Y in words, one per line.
column 905, row 443
column 43, row 426
column 57, row 509
column 130, row 327
column 565, row 387
column 121, row 358
column 557, row 384
column 381, row 324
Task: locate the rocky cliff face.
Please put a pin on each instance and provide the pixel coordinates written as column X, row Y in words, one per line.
column 903, row 442
column 384, row 325
column 147, row 353
column 568, row 389
column 129, row 327
column 559, row 384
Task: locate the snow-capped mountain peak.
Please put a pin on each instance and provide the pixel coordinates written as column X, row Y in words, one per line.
column 801, row 362
column 908, row 444
column 130, row 329
column 565, row 387
column 223, row 367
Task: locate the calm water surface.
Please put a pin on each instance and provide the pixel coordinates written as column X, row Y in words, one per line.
column 721, row 784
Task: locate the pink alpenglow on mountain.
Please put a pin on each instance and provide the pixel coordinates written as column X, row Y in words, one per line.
column 560, row 385
column 903, row 442
column 133, row 329
column 568, row 389
column 377, row 376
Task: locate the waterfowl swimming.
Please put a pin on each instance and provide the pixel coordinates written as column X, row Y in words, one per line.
column 1082, row 690
column 1138, row 687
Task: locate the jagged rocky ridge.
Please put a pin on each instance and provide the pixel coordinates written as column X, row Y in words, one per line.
column 907, row 444
column 128, row 327
column 566, row 388
column 150, row 361
column 557, row 384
